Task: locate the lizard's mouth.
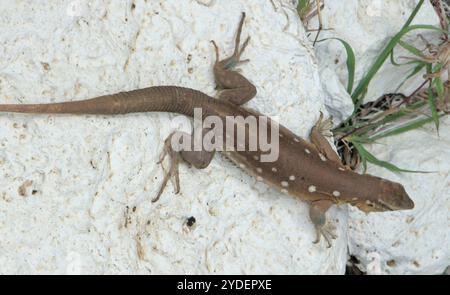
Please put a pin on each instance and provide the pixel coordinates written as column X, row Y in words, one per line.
column 407, row 204
column 385, row 206
column 374, row 207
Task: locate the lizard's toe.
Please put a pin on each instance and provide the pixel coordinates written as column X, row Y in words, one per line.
column 328, row 232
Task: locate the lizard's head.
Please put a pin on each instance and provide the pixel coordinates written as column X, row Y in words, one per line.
column 385, row 195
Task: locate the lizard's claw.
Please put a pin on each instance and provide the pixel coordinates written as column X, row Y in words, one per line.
column 317, row 214
column 173, row 169
column 327, row 233
column 216, row 49
column 324, row 126
column 235, row 59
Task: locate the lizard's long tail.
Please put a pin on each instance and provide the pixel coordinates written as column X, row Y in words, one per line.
column 153, row 99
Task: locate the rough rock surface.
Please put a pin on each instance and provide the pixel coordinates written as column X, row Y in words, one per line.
column 75, row 190
column 405, row 242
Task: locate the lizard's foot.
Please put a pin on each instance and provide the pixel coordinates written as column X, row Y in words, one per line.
column 318, row 137
column 173, row 168
column 328, row 232
column 199, row 159
column 324, row 126
column 235, row 59
column 317, row 213
column 232, row 85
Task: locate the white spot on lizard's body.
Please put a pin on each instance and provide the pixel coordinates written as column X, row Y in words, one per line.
column 341, row 168
column 256, row 158
column 336, row 193
column 242, row 166
column 274, row 169
column 284, row 191
column 296, row 139
column 311, row 188
column 259, row 178
column 322, row 157
column 259, row 170
column 307, row 151
column 284, row 184
column 292, row 177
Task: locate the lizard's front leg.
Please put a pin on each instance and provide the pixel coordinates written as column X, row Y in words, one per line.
column 233, row 86
column 318, row 209
column 199, row 159
column 317, row 213
column 318, row 135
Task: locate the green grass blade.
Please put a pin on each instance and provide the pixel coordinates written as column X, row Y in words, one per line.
column 437, row 82
column 364, row 162
column 351, row 63
column 390, row 118
column 419, row 67
column 302, row 4
column 364, row 83
column 410, row 48
column 404, row 128
column 432, row 99
column 432, row 105
column 366, row 155
column 391, row 57
column 439, row 85
column 303, row 7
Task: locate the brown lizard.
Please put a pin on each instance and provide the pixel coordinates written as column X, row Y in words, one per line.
column 311, row 170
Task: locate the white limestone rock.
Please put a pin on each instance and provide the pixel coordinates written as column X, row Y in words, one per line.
column 367, row 25
column 414, row 241
column 404, row 242
column 75, row 190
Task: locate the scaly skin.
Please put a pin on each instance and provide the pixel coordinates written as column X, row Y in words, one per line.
column 310, row 171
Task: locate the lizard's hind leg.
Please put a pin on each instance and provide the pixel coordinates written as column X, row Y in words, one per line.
column 233, row 86
column 199, row 159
